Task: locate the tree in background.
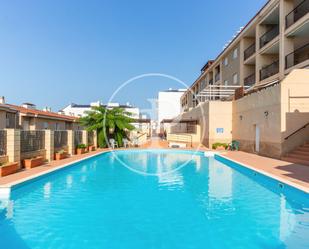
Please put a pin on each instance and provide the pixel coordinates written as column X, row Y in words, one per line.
column 109, row 123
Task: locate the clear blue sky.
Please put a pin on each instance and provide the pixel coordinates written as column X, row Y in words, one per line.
column 55, row 52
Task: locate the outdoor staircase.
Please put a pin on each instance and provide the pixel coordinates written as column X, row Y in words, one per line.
column 299, row 155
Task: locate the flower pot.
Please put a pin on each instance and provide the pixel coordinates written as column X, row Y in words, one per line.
column 33, row 162
column 91, row 148
column 8, row 169
column 80, row 151
column 60, row 156
column 220, row 148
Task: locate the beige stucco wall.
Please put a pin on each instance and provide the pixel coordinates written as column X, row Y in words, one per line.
column 287, row 105
column 212, row 115
column 295, row 108
column 36, row 123
column 232, row 68
column 250, row 111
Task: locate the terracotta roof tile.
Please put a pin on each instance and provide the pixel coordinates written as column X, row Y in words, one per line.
column 42, row 113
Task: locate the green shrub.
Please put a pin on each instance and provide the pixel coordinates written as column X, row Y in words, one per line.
column 101, row 139
column 81, row 146
column 216, row 145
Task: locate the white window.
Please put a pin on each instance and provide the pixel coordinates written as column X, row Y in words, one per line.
column 226, row 61
column 235, row 53
column 226, row 82
column 235, row 78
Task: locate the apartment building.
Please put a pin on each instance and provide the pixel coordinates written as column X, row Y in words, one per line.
column 168, row 107
column 8, row 116
column 80, row 110
column 28, row 117
column 265, row 65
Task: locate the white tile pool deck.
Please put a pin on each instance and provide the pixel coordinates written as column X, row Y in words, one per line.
column 293, row 174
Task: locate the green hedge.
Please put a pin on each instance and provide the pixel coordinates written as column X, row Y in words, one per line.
column 216, row 145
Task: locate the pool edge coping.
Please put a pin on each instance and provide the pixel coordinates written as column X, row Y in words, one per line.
column 6, row 189
column 270, row 175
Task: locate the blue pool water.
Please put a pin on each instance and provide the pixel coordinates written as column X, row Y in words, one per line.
column 100, row 203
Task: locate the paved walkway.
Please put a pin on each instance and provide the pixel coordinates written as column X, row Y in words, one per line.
column 294, row 174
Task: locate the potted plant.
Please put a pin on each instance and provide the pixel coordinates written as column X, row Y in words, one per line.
column 59, row 155
column 81, row 149
column 30, row 163
column 8, row 168
column 91, row 148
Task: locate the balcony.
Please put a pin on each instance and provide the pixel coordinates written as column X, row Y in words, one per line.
column 297, row 13
column 298, row 56
column 217, row 77
column 269, row 70
column 249, row 51
column 269, row 35
column 250, row 80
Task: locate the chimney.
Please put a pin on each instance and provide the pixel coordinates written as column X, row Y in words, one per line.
column 2, row 100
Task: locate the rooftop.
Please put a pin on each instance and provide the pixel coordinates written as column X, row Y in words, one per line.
column 40, row 113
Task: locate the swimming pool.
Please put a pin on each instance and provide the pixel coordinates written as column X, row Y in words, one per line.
column 155, row 200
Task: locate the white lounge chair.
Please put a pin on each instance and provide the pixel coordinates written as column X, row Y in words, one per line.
column 113, row 144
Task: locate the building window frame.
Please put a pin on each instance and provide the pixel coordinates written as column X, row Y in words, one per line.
column 235, row 78
column 235, row 53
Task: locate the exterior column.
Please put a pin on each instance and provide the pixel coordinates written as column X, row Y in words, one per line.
column 85, row 137
column 95, row 138
column 13, row 145
column 49, row 145
column 71, row 149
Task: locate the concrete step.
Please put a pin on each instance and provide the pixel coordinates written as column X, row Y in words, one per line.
column 297, row 156
column 294, row 160
column 303, row 148
column 300, row 152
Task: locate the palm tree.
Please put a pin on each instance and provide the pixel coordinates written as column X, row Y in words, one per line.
column 109, row 123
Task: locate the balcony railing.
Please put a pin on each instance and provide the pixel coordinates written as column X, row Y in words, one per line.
column 269, row 70
column 298, row 56
column 217, row 77
column 269, row 36
column 218, row 92
column 249, row 51
column 297, row 13
column 250, row 80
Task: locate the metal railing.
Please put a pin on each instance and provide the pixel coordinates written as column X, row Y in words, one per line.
column 218, row 92
column 3, row 142
column 301, row 128
column 188, row 128
column 269, row 35
column 298, row 12
column 60, row 139
column 297, row 56
column 269, row 70
column 32, row 141
column 78, row 138
column 250, row 80
column 249, row 51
